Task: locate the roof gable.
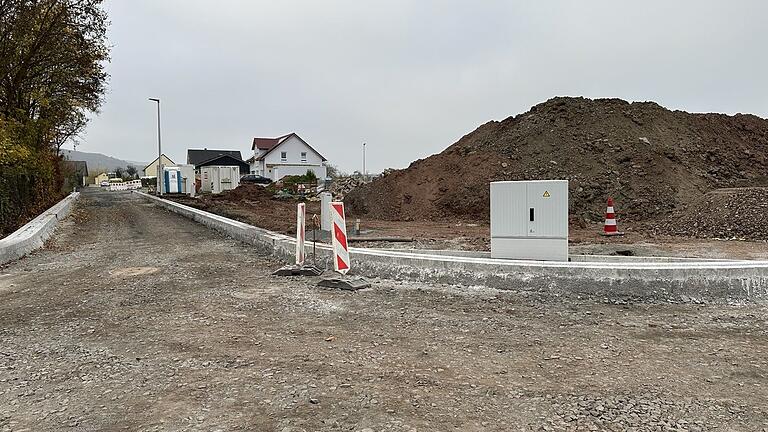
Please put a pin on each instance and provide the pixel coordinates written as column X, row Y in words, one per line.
column 268, row 143
column 281, row 140
column 163, row 155
column 223, row 160
column 197, row 156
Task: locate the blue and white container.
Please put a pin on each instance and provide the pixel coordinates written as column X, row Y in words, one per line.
column 172, row 180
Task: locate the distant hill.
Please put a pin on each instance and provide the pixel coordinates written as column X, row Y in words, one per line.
column 100, row 161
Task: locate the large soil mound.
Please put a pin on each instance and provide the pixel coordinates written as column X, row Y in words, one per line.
column 649, row 159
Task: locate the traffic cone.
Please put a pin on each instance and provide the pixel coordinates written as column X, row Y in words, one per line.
column 610, row 228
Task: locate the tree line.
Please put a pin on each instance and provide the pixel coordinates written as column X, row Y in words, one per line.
column 53, row 55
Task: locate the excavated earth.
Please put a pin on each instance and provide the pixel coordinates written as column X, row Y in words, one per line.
column 651, row 160
column 252, row 204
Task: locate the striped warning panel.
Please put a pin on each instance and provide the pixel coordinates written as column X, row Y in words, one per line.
column 340, row 248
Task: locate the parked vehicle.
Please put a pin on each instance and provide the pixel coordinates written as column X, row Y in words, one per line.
column 104, row 183
column 255, row 179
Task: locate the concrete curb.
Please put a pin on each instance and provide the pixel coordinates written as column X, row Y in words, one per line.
column 34, row 234
column 683, row 280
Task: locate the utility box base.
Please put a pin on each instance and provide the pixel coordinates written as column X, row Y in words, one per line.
column 344, row 283
column 530, row 249
column 297, row 270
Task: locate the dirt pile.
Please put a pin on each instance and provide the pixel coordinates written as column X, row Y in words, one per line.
column 252, row 204
column 724, row 213
column 649, row 159
column 244, row 192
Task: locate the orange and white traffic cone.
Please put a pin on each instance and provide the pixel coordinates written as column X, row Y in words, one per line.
column 610, row 228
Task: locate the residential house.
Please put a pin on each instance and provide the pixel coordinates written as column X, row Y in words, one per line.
column 151, row 169
column 204, row 157
column 100, row 178
column 289, row 154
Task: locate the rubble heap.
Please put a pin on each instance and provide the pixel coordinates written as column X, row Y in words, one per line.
column 651, row 160
column 724, row 213
column 341, row 186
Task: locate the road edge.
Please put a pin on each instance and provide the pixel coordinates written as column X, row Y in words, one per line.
column 34, row 234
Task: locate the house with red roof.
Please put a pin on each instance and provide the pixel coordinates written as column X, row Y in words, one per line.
column 285, row 155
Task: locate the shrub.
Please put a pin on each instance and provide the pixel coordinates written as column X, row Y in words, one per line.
column 30, row 180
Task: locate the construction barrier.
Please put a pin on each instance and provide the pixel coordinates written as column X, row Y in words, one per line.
column 129, row 185
column 341, row 261
column 300, row 232
column 325, row 211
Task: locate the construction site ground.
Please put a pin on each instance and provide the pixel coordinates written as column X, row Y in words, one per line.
column 133, row 318
column 587, row 241
column 253, row 205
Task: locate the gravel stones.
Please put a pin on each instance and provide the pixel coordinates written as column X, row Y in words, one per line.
column 737, row 213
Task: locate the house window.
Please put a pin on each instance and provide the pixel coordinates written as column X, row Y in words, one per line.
column 303, row 156
column 283, row 156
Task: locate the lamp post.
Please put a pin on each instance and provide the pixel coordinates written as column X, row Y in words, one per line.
column 159, row 150
column 364, row 173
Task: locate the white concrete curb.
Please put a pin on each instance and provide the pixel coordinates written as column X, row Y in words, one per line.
column 721, row 279
column 34, row 234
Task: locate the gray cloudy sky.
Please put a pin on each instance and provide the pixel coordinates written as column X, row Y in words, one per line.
column 408, row 77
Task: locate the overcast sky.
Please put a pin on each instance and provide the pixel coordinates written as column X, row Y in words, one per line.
column 407, row 77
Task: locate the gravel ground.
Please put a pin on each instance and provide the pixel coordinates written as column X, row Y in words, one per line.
column 136, row 319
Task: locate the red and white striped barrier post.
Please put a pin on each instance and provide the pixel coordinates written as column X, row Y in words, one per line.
column 340, row 248
column 610, row 228
column 300, row 233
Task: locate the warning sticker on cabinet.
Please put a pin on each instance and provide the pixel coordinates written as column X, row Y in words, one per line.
column 546, row 194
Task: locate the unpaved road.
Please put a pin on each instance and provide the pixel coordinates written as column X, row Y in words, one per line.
column 137, row 319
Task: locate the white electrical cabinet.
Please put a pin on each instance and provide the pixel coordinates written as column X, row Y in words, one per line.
column 217, row 179
column 529, row 220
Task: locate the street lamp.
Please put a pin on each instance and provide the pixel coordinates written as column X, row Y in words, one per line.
column 159, row 150
column 364, row 173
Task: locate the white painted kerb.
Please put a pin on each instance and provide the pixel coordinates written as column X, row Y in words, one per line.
column 34, row 234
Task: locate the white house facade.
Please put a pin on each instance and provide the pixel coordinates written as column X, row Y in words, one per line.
column 276, row 158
